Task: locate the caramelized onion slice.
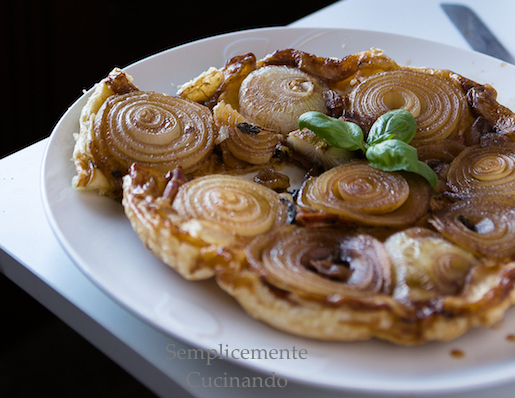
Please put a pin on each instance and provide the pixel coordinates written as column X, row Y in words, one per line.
column 482, row 99
column 480, row 171
column 195, row 249
column 238, row 205
column 485, row 226
column 275, row 96
column 246, row 142
column 359, row 193
column 426, row 265
column 436, row 103
column 153, row 130
column 323, row 263
column 273, row 179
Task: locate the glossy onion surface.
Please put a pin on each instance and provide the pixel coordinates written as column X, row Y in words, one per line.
column 241, row 206
column 327, row 264
column 275, row 96
column 426, row 265
column 485, row 226
column 255, row 148
column 359, row 193
column 436, row 103
column 153, row 130
column 480, row 171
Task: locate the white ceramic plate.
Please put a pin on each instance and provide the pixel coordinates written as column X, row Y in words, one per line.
column 97, row 236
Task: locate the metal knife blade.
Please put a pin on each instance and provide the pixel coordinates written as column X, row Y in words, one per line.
column 476, row 32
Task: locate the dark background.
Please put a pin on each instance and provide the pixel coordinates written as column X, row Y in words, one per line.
column 51, row 51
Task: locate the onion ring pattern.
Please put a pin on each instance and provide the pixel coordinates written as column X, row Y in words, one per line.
column 153, row 130
column 241, row 206
column 436, row 103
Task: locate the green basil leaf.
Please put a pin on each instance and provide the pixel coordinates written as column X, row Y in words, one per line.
column 396, row 155
column 396, row 124
column 336, row 132
column 392, row 155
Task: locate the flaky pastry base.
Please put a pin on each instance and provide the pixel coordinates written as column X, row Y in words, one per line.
column 193, row 248
column 89, row 176
column 483, row 303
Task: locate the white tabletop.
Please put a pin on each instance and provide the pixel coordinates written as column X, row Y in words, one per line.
column 423, row 19
column 31, row 256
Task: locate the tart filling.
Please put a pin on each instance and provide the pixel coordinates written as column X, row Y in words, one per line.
column 352, row 252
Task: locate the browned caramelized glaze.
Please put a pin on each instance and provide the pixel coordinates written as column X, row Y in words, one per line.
column 357, row 252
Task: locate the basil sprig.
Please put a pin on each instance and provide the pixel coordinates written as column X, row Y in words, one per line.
column 387, row 144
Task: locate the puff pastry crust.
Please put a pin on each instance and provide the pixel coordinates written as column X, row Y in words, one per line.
column 185, row 223
column 323, row 263
column 361, row 315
